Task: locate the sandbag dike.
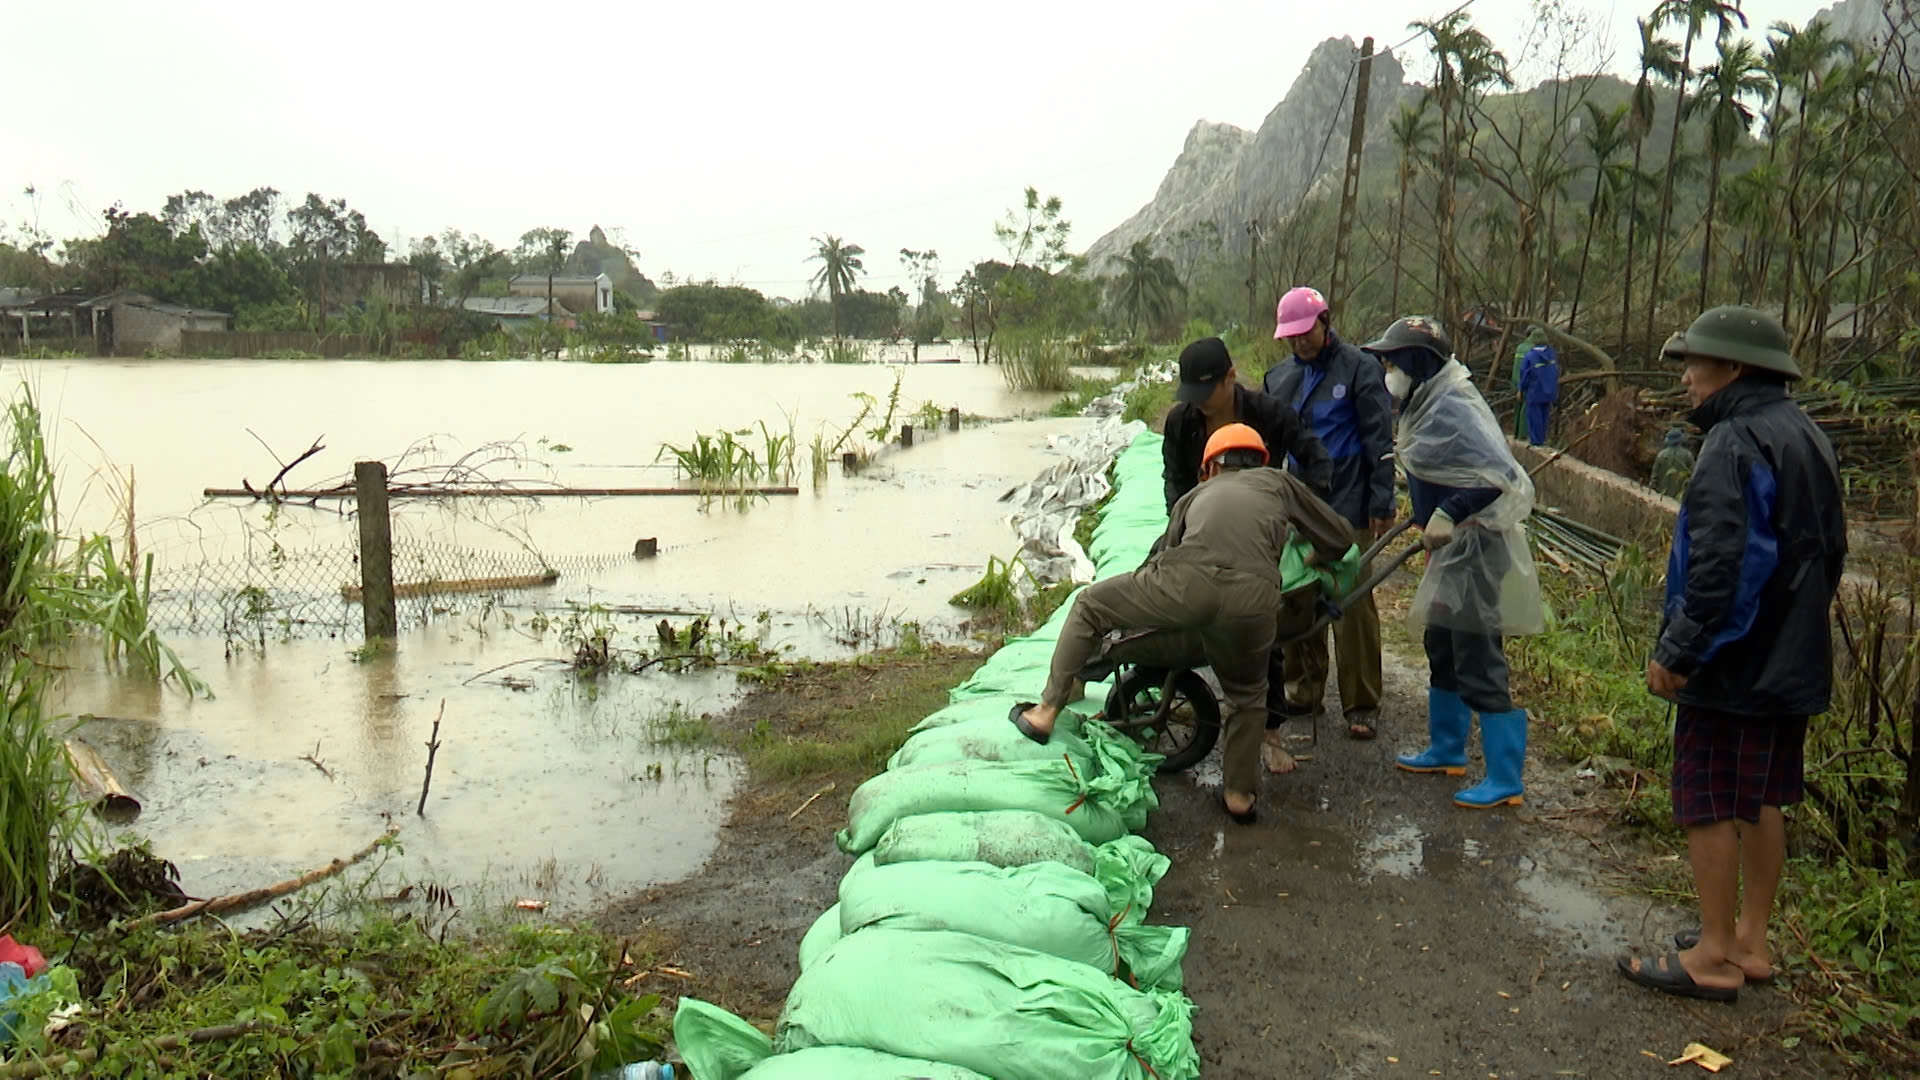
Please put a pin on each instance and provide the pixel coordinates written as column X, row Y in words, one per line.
column 995, row 924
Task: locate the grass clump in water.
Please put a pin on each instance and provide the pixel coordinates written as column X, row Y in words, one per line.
column 1036, row 363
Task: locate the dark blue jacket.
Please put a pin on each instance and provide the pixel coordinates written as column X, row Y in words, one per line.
column 1540, row 376
column 1342, row 395
column 1459, row 503
column 1758, row 552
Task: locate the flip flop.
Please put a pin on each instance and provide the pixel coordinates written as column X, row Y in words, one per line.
column 1361, row 728
column 1672, row 978
column 1687, row 939
column 1025, row 726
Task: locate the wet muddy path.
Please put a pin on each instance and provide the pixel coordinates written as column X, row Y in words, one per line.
column 1364, row 927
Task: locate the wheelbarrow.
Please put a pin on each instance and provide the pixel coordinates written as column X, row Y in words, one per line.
column 1159, row 697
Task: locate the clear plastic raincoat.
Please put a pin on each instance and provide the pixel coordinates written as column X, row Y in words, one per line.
column 1483, row 582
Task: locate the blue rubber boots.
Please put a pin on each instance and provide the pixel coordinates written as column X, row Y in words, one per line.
column 1448, row 718
column 1503, row 740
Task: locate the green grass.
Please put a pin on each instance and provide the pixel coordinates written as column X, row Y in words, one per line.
column 1036, row 363
column 849, row 718
column 373, row 994
column 52, row 591
column 1080, row 391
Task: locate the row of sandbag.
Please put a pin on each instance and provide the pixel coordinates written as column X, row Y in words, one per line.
column 993, row 924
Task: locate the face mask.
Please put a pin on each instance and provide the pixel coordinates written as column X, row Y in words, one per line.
column 1399, row 383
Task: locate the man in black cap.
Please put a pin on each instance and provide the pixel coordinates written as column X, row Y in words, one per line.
column 1209, row 398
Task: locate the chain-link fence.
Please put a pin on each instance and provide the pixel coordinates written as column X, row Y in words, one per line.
column 281, row 593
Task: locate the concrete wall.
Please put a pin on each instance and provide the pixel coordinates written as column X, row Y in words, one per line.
column 137, row 329
column 1593, row 496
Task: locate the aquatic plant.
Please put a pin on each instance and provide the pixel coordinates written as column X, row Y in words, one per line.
column 883, row 431
column 998, row 592
column 843, row 352
column 1035, row 363
column 778, row 451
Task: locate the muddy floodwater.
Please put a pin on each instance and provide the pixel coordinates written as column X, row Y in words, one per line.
column 544, row 787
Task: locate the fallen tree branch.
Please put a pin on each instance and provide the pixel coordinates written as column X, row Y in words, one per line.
column 57, row 1063
column 314, row 760
column 255, row 897
column 433, row 747
column 810, row 801
column 1562, row 452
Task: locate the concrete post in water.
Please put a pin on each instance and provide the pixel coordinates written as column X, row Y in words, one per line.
column 906, row 435
column 953, row 419
column 849, row 463
column 646, row 547
column 376, row 551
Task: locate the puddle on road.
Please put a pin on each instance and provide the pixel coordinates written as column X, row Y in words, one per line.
column 1403, row 849
column 1592, row 921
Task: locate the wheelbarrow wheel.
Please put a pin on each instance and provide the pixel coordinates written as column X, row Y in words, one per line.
column 1184, row 732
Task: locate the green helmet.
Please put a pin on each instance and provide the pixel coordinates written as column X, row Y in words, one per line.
column 1742, row 335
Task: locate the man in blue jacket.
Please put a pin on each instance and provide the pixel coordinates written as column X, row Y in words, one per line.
column 1341, row 394
column 1745, row 650
column 1539, row 386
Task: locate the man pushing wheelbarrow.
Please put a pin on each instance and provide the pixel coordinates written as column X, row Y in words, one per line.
column 1217, row 577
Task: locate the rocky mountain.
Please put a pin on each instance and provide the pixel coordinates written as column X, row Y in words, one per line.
column 1226, row 176
column 1866, row 21
column 597, row 255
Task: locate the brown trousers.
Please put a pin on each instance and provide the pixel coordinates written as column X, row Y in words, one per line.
column 1356, row 637
column 1230, row 611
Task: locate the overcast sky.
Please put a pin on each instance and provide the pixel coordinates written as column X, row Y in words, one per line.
column 718, row 137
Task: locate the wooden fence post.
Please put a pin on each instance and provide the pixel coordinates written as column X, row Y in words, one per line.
column 953, row 419
column 376, row 551
column 906, row 436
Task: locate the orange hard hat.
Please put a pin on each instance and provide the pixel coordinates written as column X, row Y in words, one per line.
column 1233, row 437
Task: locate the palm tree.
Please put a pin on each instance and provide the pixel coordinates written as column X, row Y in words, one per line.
column 1659, row 59
column 1694, row 13
column 1146, row 286
column 1467, row 63
column 1413, row 131
column 840, row 267
column 1606, row 136
column 1723, row 89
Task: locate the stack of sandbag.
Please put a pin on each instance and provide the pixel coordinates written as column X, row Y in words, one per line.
column 994, row 922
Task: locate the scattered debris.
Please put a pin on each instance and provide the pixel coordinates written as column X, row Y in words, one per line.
column 1704, row 1056
column 810, row 801
column 98, row 786
column 530, row 905
column 314, row 760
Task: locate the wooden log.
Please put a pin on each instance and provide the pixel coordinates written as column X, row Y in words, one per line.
column 494, row 492
column 98, row 786
column 416, row 589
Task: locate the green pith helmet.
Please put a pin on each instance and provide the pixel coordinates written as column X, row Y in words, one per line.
column 1743, row 336
column 1675, row 348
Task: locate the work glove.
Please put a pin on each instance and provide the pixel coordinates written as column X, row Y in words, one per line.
column 1438, row 532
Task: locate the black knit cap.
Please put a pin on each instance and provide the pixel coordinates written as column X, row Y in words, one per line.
column 1202, row 365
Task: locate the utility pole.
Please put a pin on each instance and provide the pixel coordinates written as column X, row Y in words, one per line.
column 1253, row 274
column 1350, row 193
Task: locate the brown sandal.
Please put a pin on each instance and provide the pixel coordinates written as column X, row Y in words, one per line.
column 1361, row 728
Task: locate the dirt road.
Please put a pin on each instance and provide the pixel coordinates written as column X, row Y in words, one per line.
column 1364, row 927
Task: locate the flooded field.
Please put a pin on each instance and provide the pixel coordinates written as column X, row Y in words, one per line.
column 545, row 787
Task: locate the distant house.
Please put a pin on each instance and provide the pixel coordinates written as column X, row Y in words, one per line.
column 577, row 293
column 356, row 283
column 131, row 323
column 123, row 323
column 516, row 312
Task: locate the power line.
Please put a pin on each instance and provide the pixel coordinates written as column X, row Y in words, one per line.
column 1417, row 34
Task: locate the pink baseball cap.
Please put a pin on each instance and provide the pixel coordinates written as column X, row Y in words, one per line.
column 1297, row 311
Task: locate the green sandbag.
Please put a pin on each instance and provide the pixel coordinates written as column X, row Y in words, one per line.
column 1106, row 805
column 1042, row 906
column 820, row 937
column 715, row 1044
column 1002, row 1011
column 990, row 738
column 999, row 837
column 849, row 1063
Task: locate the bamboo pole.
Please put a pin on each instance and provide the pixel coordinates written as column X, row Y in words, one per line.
column 216, row 905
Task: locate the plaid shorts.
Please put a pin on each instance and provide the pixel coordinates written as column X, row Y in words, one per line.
column 1728, row 766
